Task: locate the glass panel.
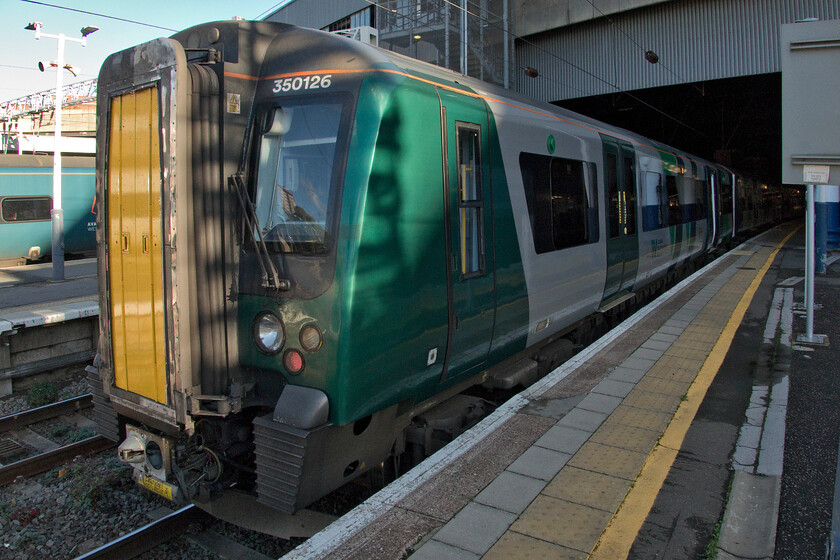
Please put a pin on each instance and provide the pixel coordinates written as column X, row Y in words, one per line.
column 674, row 207
column 295, row 175
column 470, row 200
column 629, row 196
column 562, row 197
column 655, row 208
column 569, row 203
column 469, row 165
column 612, row 190
column 26, row 209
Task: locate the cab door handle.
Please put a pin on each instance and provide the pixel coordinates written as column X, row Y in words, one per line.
column 124, row 243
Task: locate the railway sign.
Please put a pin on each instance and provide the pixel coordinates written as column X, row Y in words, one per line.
column 810, row 112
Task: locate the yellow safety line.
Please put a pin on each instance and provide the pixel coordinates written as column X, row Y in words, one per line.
column 621, row 532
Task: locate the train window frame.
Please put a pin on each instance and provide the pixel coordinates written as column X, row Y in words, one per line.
column 675, row 211
column 655, row 209
column 470, row 200
column 19, row 198
column 628, row 170
column 545, row 193
column 264, row 120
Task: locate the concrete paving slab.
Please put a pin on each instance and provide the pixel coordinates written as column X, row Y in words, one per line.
column 597, row 402
column 514, row 545
column 671, row 330
column 609, row 460
column 614, row 388
column 511, row 492
column 626, row 437
column 586, row 420
column 750, row 436
column 652, row 401
column 588, row 488
column 663, row 386
column 627, row 375
column 749, row 524
column 539, row 462
column 745, row 458
column 436, row 550
column 653, row 344
column 564, row 439
column 663, row 337
column 476, row 528
column 563, row 523
column 638, row 363
column 640, row 418
column 647, row 354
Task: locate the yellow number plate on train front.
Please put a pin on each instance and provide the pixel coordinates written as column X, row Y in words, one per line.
column 156, row 486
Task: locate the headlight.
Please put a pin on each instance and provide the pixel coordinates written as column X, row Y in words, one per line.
column 310, row 338
column 268, row 333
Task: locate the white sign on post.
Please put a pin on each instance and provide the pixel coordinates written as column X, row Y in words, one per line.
column 816, row 174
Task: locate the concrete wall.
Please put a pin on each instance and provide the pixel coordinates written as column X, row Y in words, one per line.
column 536, row 16
column 316, row 13
column 696, row 40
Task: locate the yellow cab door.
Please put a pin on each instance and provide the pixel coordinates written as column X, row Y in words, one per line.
column 134, row 245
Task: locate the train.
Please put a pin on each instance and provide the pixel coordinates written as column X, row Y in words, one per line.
column 311, row 249
column 26, row 188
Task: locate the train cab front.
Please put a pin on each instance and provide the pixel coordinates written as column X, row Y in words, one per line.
column 222, row 158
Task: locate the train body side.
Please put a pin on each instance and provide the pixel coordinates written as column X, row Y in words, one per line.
column 308, row 243
column 26, row 187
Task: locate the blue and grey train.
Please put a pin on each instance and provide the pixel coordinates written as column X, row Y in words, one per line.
column 26, row 189
column 308, row 246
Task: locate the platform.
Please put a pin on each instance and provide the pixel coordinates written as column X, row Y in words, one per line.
column 627, row 450
column 46, row 325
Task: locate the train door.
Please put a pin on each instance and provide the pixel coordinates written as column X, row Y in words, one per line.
column 622, row 239
column 470, row 275
column 713, row 209
column 134, row 245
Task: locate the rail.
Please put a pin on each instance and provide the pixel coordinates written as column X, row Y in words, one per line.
column 27, row 417
column 45, row 461
column 149, row 536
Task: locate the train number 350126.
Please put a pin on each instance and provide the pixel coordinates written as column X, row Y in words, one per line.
column 302, row 82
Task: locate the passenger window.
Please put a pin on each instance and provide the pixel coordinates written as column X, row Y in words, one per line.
column 629, row 196
column 655, row 204
column 26, row 208
column 612, row 189
column 470, row 200
column 674, row 207
column 562, row 201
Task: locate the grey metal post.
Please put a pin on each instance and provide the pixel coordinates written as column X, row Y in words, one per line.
column 809, row 266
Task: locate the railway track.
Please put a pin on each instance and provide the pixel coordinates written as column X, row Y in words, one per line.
column 149, row 536
column 43, row 462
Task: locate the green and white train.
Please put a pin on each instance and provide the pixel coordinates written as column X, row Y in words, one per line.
column 309, row 246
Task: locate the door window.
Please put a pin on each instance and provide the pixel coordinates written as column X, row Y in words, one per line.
column 629, row 198
column 470, row 200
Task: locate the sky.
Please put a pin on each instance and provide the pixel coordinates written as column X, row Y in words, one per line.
column 20, row 52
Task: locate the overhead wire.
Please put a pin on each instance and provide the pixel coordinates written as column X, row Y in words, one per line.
column 135, row 22
column 98, row 15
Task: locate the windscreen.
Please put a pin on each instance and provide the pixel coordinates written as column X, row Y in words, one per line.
column 296, row 175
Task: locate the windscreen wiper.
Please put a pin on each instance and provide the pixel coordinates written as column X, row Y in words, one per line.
column 270, row 277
